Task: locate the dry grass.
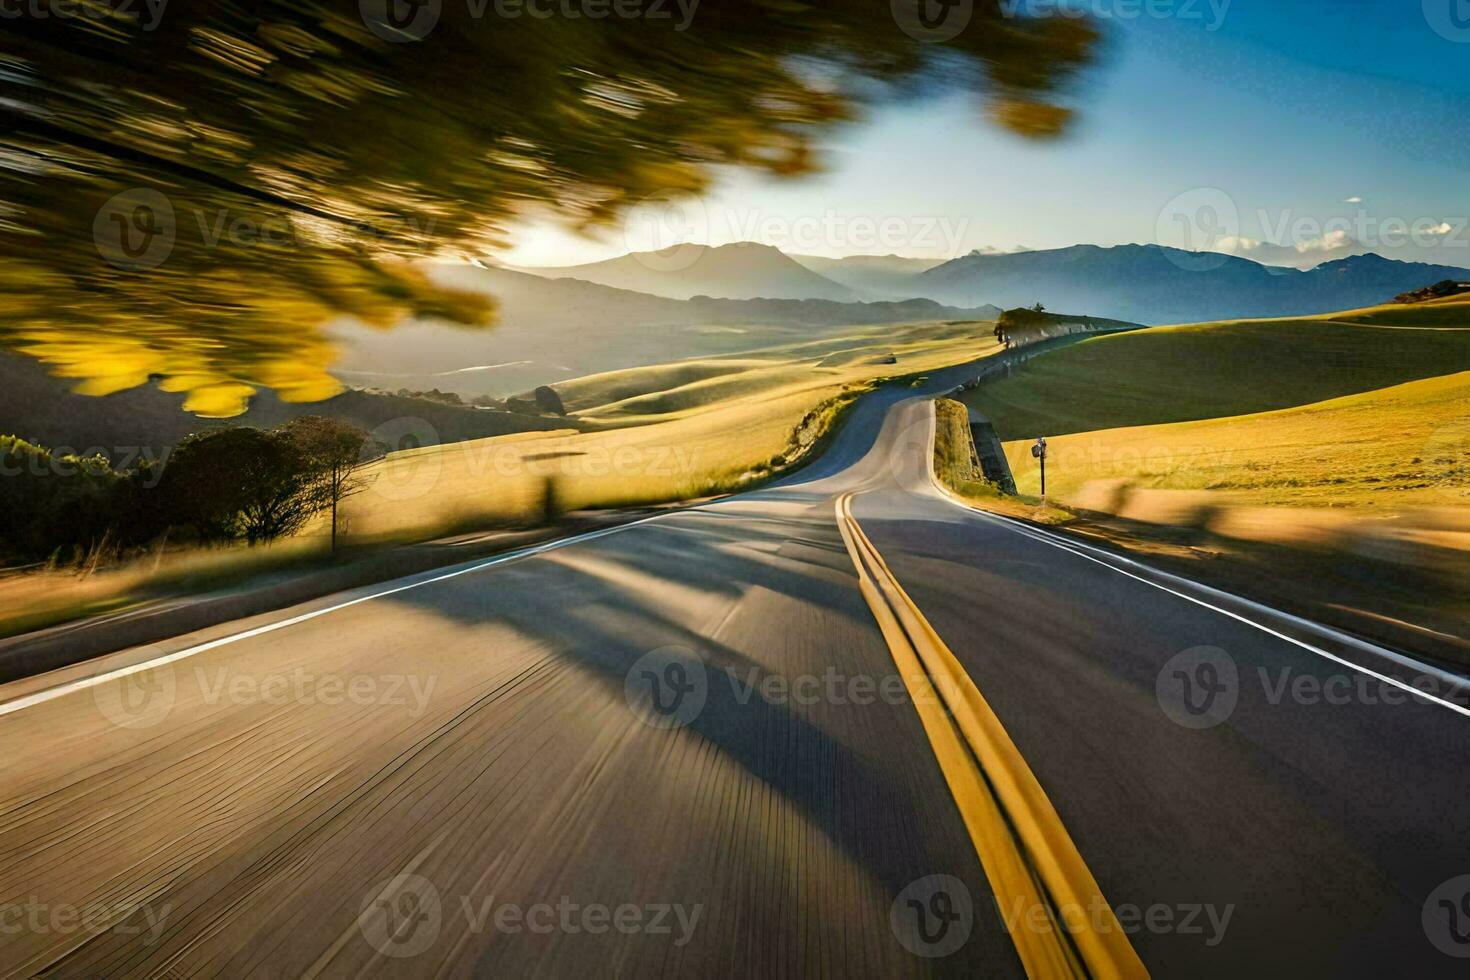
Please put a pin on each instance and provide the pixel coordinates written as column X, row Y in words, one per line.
column 669, row 435
column 1406, row 446
column 1216, row 370
column 711, row 434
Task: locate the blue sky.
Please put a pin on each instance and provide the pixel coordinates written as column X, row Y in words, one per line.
column 1237, row 126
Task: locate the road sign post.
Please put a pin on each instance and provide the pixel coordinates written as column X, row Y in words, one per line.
column 1038, row 451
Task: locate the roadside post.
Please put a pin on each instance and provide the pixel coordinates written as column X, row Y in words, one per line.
column 1038, row 451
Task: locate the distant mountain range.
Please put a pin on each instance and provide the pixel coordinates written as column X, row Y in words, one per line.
column 1155, row 284
column 1143, row 283
column 881, row 276
column 743, row 270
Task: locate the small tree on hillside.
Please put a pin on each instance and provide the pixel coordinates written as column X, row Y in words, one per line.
column 548, row 401
column 336, row 451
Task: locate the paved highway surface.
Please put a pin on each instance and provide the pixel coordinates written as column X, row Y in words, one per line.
column 684, row 747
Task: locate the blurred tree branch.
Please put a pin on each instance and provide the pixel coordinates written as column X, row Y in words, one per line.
column 304, row 162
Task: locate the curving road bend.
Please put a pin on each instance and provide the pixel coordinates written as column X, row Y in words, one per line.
column 684, row 747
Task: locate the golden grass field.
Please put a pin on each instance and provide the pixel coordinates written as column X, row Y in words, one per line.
column 1401, row 446
column 1367, row 410
column 660, row 433
column 663, row 432
column 1216, row 370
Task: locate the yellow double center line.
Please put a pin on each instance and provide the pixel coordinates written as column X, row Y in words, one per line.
column 1058, row 919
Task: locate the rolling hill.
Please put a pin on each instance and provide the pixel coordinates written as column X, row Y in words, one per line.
column 552, row 329
column 743, row 270
column 1214, row 370
column 1154, row 284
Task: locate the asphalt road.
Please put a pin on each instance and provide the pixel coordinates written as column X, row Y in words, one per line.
column 683, row 748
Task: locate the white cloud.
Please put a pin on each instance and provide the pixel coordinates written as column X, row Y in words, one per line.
column 1301, row 255
column 1353, row 200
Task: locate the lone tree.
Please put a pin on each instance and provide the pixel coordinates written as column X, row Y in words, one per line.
column 548, row 401
column 336, row 452
column 262, row 485
column 236, row 482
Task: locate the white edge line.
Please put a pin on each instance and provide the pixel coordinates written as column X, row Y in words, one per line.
column 82, row 684
column 1047, row 538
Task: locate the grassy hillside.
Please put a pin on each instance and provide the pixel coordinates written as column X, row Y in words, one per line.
column 1202, row 371
column 1406, row 445
column 654, row 393
column 669, row 432
column 549, row 331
